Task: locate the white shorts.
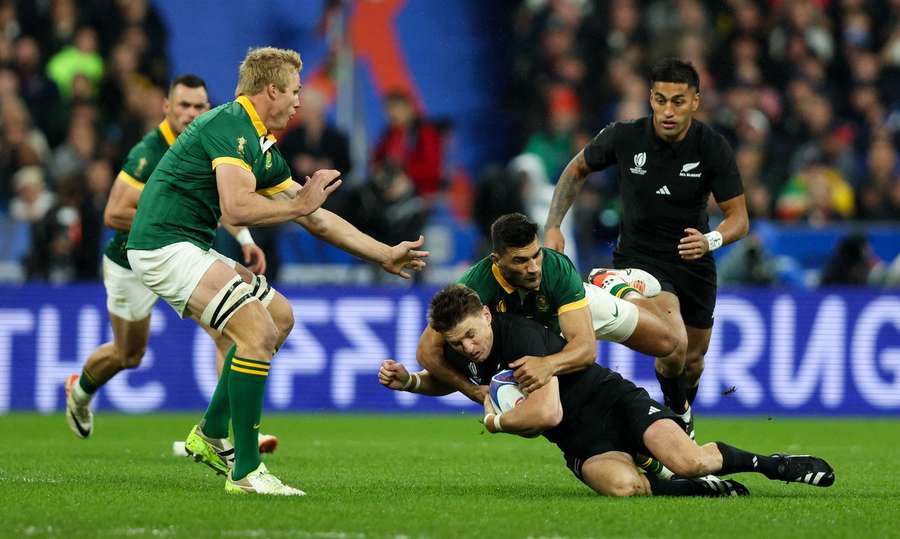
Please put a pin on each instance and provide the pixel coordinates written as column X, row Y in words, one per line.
column 126, row 295
column 173, row 272
column 614, row 319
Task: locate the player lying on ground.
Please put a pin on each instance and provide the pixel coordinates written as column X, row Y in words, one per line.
column 226, row 165
column 597, row 418
column 522, row 277
column 129, row 302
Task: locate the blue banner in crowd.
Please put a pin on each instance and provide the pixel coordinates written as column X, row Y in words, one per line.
column 772, row 352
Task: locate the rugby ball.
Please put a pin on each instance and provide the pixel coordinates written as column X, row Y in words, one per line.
column 505, row 393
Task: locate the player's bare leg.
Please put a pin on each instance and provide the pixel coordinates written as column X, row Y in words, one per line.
column 614, row 474
column 658, row 330
column 124, row 352
column 256, row 338
column 669, row 443
column 694, row 359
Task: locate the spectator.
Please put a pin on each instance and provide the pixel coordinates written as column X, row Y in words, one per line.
column 851, row 264
column 879, row 194
column 553, row 144
column 817, row 194
column 496, row 193
column 80, row 58
column 56, row 238
column 537, row 193
column 37, row 91
column 20, row 143
column 72, row 157
column 412, row 141
column 314, row 144
column 32, row 199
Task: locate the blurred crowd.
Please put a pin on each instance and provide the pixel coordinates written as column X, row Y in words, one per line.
column 80, row 83
column 807, row 92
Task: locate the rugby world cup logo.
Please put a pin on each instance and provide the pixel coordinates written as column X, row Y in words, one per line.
column 640, row 159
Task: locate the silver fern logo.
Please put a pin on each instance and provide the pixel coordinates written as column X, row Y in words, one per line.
column 687, row 168
column 640, row 159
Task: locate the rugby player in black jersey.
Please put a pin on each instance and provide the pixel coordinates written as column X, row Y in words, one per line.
column 668, row 164
column 597, row 418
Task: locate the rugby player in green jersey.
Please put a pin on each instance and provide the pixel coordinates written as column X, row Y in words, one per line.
column 226, row 165
column 129, row 302
column 522, row 277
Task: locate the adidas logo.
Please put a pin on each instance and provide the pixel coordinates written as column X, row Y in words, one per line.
column 653, row 410
column 664, row 190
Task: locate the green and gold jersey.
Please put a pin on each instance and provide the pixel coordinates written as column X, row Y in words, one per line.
column 139, row 165
column 181, row 200
column 561, row 290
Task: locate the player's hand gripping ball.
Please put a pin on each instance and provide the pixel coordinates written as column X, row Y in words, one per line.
column 505, row 392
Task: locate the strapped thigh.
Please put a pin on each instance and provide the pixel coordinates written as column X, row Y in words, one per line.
column 234, row 295
column 262, row 290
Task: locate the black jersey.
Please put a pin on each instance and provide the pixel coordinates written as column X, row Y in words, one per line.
column 664, row 187
column 591, row 391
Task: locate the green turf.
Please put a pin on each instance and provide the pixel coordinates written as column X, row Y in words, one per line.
column 390, row 476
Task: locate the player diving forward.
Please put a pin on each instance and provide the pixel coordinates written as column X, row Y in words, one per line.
column 597, row 418
column 522, row 277
column 226, row 165
column 129, row 302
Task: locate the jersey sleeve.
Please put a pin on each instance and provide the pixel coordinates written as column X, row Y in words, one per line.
column 227, row 142
column 726, row 179
column 601, row 151
column 565, row 284
column 138, row 165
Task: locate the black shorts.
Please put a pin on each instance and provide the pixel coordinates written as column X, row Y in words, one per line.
column 620, row 428
column 694, row 282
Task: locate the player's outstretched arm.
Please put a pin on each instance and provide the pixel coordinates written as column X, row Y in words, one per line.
column 122, row 204
column 242, row 206
column 533, row 372
column 337, row 231
column 430, row 354
column 393, row 375
column 570, row 182
column 540, row 411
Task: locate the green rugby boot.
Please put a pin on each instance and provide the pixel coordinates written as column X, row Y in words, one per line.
column 217, row 453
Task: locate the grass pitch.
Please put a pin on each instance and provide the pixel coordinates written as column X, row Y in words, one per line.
column 436, row 476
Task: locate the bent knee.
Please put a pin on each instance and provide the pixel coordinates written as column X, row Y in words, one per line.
column 131, row 359
column 622, row 488
column 694, row 363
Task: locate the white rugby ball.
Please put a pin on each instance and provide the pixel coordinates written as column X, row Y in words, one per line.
column 505, row 392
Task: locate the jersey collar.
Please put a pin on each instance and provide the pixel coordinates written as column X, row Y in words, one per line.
column 659, row 143
column 254, row 117
column 167, row 132
column 495, row 269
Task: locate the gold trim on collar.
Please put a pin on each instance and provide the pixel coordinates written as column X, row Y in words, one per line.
column 167, row 132
column 495, row 269
column 251, row 112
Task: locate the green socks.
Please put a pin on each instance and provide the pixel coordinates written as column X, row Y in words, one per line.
column 246, row 388
column 87, row 383
column 215, row 421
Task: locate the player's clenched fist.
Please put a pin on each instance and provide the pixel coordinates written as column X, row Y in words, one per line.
column 393, row 375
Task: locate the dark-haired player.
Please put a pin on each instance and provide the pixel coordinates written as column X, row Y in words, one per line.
column 668, row 164
column 522, row 277
column 597, row 418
